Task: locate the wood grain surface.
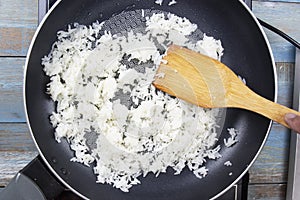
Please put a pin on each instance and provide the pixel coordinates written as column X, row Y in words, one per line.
column 18, row 21
column 285, row 16
column 11, row 84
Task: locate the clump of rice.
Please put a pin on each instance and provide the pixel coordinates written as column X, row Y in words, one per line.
column 172, row 2
column 159, row 2
column 228, row 163
column 232, row 139
column 138, row 129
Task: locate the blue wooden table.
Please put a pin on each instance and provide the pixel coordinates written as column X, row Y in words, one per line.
column 18, row 22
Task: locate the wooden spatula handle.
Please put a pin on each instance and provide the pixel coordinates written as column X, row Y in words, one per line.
column 254, row 102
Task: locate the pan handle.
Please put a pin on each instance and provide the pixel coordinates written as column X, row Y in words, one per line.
column 280, row 33
column 23, row 188
column 33, row 182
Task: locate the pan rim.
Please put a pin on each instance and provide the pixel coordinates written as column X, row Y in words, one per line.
column 275, row 100
column 81, row 195
column 25, row 107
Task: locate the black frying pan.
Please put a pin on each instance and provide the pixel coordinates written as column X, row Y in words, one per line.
column 246, row 52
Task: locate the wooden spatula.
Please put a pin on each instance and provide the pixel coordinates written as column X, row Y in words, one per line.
column 208, row 83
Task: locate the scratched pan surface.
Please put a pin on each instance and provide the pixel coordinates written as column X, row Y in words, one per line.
column 246, row 52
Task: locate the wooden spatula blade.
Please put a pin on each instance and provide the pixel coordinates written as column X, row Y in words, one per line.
column 177, row 85
column 208, row 83
column 191, row 77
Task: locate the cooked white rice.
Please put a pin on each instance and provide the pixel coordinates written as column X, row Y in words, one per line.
column 228, row 163
column 232, row 139
column 172, row 2
column 159, row 2
column 156, row 131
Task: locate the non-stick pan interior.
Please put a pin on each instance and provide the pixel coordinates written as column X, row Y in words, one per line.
column 246, row 52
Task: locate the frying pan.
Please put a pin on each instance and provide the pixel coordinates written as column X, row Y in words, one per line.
column 247, row 52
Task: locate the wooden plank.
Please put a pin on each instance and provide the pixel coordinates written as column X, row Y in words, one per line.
column 12, row 162
column 285, row 79
column 285, row 94
column 267, row 192
column 11, row 84
column 16, row 30
column 18, row 13
column 15, row 137
column 286, row 17
column 271, row 165
column 15, row 41
column 16, row 149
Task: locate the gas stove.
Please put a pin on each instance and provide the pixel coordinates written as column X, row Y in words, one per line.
column 239, row 191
